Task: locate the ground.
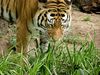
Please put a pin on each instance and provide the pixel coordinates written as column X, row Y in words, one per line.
column 82, row 23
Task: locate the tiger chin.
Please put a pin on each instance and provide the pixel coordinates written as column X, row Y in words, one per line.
column 49, row 20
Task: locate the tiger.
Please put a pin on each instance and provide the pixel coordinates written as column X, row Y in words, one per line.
column 50, row 18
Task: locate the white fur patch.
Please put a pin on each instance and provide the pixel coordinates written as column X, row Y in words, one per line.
column 6, row 14
column 69, row 0
column 13, row 16
column 50, row 18
column 0, row 11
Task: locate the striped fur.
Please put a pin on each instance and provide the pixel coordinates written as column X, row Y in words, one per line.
column 8, row 10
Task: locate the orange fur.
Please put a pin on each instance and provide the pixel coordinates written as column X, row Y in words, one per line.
column 56, row 32
column 27, row 10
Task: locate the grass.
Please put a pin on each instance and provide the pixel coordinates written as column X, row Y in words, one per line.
column 60, row 59
column 87, row 18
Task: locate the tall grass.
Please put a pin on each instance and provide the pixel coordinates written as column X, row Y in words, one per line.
column 61, row 59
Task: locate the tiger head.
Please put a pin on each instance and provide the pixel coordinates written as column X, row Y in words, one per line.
column 54, row 17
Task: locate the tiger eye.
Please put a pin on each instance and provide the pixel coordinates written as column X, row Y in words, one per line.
column 63, row 15
column 52, row 15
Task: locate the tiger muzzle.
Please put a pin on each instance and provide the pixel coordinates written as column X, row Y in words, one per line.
column 56, row 31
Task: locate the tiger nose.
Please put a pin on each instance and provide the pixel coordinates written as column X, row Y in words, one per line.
column 57, row 34
column 57, row 29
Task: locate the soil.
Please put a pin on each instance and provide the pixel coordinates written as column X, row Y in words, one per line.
column 82, row 23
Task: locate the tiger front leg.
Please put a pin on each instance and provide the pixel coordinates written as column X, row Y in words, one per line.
column 44, row 43
column 22, row 38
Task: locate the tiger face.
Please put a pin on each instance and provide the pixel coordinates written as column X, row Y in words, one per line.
column 54, row 18
column 57, row 23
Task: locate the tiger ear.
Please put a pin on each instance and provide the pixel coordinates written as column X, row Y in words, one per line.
column 69, row 2
column 41, row 4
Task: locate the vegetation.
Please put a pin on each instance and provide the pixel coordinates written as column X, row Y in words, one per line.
column 61, row 59
column 87, row 18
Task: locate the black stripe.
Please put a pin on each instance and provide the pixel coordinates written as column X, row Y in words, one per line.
column 51, row 2
column 7, row 6
column 69, row 18
column 16, row 14
column 39, row 16
column 10, row 16
column 49, row 10
column 2, row 10
column 65, row 11
column 61, row 3
column 28, row 29
column 45, row 14
column 65, row 20
column 43, row 1
column 42, row 19
column 36, row 41
column 38, row 23
column 58, row 10
column 62, row 6
column 52, row 10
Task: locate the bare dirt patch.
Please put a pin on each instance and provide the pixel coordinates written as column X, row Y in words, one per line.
column 83, row 23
